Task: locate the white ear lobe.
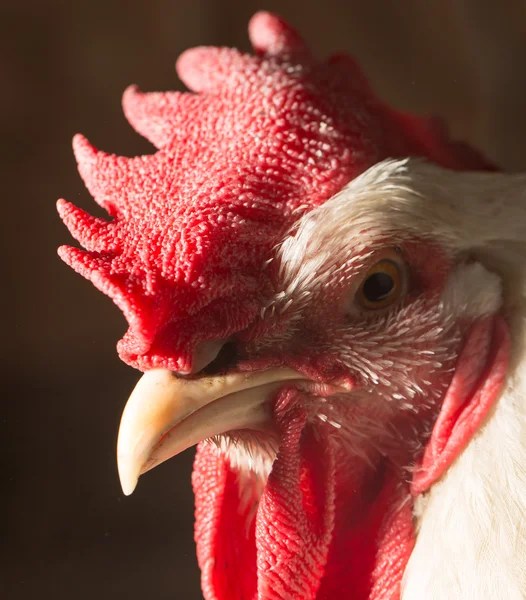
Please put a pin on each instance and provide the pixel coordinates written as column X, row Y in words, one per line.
column 472, row 291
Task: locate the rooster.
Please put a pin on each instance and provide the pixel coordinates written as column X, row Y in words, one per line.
column 327, row 296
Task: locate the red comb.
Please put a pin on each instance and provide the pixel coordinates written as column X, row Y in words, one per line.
column 266, row 138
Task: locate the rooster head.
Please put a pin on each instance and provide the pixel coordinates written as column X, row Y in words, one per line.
column 308, row 305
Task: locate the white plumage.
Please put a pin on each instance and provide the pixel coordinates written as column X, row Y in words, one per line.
column 471, row 542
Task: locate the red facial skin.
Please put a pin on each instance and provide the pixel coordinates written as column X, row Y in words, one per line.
column 266, row 139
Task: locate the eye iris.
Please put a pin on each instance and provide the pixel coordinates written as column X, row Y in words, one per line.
column 378, row 287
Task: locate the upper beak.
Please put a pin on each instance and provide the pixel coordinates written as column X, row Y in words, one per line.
column 166, row 414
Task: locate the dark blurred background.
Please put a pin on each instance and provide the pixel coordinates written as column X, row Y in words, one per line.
column 66, row 530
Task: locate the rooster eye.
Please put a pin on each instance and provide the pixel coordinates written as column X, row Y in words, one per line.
column 381, row 287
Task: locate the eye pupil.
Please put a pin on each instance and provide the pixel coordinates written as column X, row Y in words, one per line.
column 378, row 286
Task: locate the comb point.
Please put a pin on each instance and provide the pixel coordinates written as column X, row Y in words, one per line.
column 83, row 150
column 271, row 35
column 90, row 231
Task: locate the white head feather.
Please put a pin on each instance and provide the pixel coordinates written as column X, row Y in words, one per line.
column 471, row 525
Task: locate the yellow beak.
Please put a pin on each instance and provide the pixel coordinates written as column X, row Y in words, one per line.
column 166, row 414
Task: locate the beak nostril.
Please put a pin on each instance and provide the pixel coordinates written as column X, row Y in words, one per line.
column 211, row 357
column 225, row 360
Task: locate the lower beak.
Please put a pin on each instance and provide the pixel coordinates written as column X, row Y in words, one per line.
column 166, row 414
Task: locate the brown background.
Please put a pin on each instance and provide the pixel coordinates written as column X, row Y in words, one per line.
column 66, row 530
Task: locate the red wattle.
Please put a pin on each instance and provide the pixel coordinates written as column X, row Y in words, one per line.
column 295, row 520
column 474, row 389
column 224, row 529
column 326, row 527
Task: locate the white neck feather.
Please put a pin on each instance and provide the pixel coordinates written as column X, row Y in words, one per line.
column 471, row 541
